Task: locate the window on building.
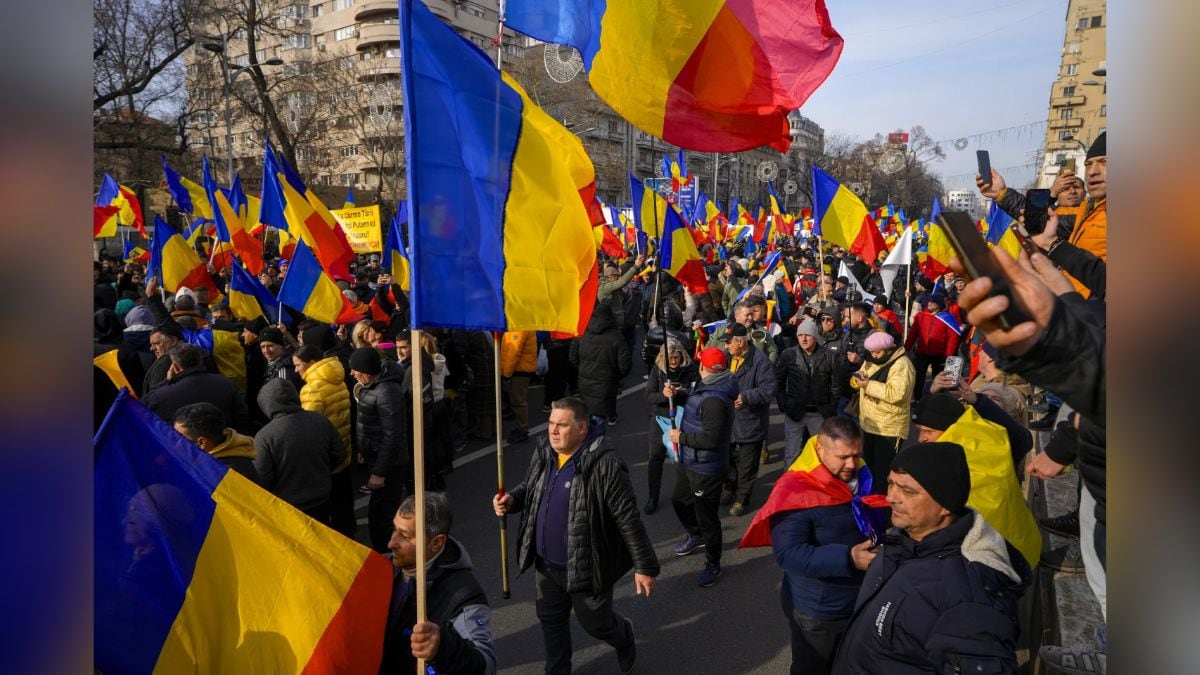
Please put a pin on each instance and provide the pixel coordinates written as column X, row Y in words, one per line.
column 391, row 20
column 473, row 9
column 349, row 150
column 366, row 55
column 342, row 4
column 1065, row 136
column 242, row 60
column 1096, row 21
column 260, row 55
column 392, row 52
column 1104, row 110
column 296, row 41
column 1083, row 23
column 348, row 179
column 1072, row 69
column 1069, row 91
column 1060, row 158
column 1065, row 114
column 1073, row 48
column 344, row 33
column 318, row 10
column 345, row 63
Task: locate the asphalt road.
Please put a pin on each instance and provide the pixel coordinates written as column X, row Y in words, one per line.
column 735, row 626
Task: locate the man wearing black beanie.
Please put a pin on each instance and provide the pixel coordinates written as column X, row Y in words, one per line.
column 941, row 595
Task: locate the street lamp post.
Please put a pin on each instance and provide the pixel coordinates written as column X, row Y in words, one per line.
column 220, row 48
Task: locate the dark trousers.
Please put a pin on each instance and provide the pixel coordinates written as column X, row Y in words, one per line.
column 319, row 513
column 814, row 641
column 696, row 499
column 560, row 378
column 440, row 439
column 743, row 470
column 656, row 457
column 595, row 614
column 381, row 510
column 341, row 503
column 922, row 362
column 878, row 452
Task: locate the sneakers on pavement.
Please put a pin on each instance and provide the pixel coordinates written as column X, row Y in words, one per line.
column 1063, row 559
column 1065, row 525
column 1075, row 660
column 737, row 509
column 625, row 658
column 689, row 545
column 709, row 575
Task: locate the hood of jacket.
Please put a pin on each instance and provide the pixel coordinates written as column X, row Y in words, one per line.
column 723, row 381
column 392, row 371
column 328, row 369
column 602, row 319
column 278, row 397
column 234, row 445
column 984, row 545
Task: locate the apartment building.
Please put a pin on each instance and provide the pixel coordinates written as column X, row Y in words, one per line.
column 1078, row 108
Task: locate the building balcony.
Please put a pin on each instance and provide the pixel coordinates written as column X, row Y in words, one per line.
column 387, row 66
column 1067, row 100
column 378, row 34
column 375, row 9
column 1066, row 124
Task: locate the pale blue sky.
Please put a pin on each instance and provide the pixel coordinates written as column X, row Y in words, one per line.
column 956, row 68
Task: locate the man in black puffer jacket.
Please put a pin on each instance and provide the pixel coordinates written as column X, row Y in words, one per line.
column 941, row 595
column 580, row 526
column 382, row 438
column 807, row 387
column 602, row 357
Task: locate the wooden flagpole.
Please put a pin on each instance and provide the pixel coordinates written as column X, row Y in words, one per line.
column 417, row 372
column 505, row 590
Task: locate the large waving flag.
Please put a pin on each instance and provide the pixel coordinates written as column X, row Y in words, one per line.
column 808, row 484
column 938, row 253
column 249, row 299
column 649, row 208
column 230, row 226
column 841, row 217
column 501, row 197
column 134, row 254
column 307, row 288
column 710, row 75
column 309, row 219
column 395, row 255
column 189, row 196
column 116, row 205
column 995, row 492
column 1000, row 233
column 680, row 258
column 197, row 569
column 175, row 263
column 272, row 206
column 900, row 256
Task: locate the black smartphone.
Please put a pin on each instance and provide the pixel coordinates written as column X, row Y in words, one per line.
column 977, row 260
column 1036, row 203
column 985, row 166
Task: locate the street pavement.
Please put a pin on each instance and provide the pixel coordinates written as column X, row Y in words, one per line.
column 735, row 626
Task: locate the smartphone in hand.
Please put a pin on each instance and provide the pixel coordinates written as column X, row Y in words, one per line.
column 984, row 160
column 954, row 366
column 978, row 262
column 1037, row 203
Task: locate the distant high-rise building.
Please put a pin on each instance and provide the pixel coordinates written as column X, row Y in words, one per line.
column 964, row 200
column 1078, row 110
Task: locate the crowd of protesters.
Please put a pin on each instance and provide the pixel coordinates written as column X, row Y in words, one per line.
column 858, row 371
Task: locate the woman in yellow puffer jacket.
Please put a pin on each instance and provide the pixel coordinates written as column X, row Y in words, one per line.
column 325, row 391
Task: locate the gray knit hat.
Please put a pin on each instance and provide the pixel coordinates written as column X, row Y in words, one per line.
column 808, row 327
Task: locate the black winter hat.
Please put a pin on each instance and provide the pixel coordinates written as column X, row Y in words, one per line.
column 940, row 468
column 271, row 334
column 736, row 330
column 1097, row 149
column 257, row 325
column 939, row 411
column 320, row 336
column 366, row 360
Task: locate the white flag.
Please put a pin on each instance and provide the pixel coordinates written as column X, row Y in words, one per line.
column 900, row 256
column 844, row 271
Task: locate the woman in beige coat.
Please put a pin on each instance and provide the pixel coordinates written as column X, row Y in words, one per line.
column 885, row 385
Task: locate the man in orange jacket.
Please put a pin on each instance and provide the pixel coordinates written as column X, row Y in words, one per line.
column 518, row 363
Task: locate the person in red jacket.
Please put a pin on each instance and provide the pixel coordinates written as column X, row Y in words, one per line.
column 883, row 310
column 934, row 336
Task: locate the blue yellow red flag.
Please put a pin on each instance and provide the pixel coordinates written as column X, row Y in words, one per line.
column 307, row 288
column 249, row 299
column 395, row 255
column 680, row 258
column 197, row 569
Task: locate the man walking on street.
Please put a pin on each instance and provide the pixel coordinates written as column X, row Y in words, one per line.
column 751, row 416
column 807, row 388
column 703, row 441
column 580, row 526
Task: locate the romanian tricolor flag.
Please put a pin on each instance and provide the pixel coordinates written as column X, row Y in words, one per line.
column 938, row 252
column 502, row 198
column 710, row 75
column 349, row 202
column 249, row 299
column 808, row 484
column 395, row 255
column 175, row 263
column 189, row 196
column 842, row 219
column 649, row 208
column 230, row 226
column 308, row 219
column 116, row 205
column 680, row 258
column 307, row 288
column 199, row 570
column 999, row 231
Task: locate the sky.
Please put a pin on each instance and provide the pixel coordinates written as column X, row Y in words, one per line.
column 955, row 68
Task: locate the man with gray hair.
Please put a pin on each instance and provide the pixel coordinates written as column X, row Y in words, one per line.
column 456, row 636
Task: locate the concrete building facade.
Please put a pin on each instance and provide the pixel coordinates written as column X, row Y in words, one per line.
column 1078, row 106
